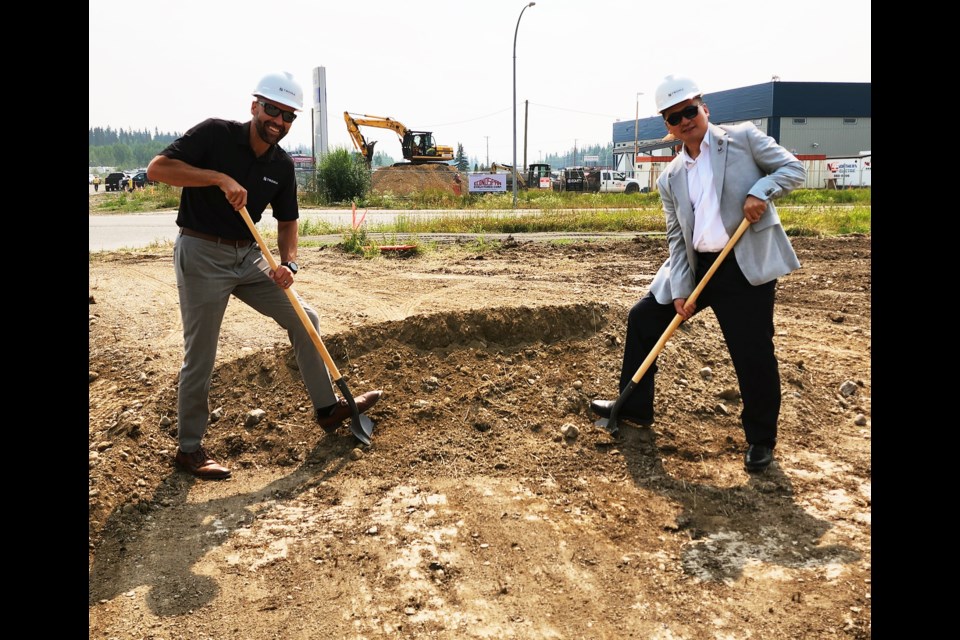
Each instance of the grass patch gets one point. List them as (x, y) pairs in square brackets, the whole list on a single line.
[(527, 222), (827, 221), (150, 198), (826, 197), (480, 245), (796, 220), (803, 212), (163, 196), (552, 200), (315, 227), (360, 242), (354, 240)]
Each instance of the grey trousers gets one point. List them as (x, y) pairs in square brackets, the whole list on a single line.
[(207, 274)]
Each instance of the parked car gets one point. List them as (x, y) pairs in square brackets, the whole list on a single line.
[(113, 182), (140, 180)]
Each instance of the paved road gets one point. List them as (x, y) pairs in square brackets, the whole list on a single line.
[(138, 230)]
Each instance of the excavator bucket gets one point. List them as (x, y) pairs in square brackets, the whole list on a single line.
[(368, 156)]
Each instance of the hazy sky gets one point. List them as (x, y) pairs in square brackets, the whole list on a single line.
[(447, 67)]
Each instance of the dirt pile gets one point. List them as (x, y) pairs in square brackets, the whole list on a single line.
[(407, 179), (489, 505)]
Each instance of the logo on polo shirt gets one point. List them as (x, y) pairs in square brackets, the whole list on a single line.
[(270, 180)]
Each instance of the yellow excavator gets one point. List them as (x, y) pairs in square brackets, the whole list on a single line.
[(418, 146), (530, 180)]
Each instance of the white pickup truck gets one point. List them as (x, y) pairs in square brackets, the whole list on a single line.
[(597, 181), (616, 182)]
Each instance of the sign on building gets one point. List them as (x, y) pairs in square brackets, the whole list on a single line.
[(850, 172)]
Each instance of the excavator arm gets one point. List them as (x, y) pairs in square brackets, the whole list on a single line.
[(521, 179), (377, 121), (418, 146), (365, 148)]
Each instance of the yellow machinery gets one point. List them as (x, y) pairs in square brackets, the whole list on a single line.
[(530, 180), (418, 146)]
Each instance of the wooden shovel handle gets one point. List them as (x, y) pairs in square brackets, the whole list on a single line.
[(661, 343), (304, 318)]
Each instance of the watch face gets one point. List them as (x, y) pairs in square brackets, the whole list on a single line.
[(293, 267)]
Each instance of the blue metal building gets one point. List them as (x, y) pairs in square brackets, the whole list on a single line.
[(811, 119)]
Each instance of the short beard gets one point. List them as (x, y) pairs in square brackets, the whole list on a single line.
[(262, 132)]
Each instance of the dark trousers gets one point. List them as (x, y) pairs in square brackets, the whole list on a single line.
[(745, 315)]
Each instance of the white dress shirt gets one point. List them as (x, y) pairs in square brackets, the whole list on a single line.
[(709, 234)]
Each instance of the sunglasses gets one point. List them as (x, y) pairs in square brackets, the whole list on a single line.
[(689, 112), (273, 111)]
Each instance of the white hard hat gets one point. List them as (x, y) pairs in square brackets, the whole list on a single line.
[(282, 89), (674, 91)]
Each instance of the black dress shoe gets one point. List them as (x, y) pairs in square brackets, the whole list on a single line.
[(758, 457), (603, 408), (341, 410)]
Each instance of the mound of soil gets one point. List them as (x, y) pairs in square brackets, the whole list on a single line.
[(489, 505), (406, 179)]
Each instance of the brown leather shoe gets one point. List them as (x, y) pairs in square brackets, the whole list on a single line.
[(201, 465), (342, 411)]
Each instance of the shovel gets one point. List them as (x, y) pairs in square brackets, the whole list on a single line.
[(610, 424), (361, 426)]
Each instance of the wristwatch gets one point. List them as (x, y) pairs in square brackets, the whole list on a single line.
[(292, 266)]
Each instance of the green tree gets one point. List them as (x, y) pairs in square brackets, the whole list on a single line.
[(461, 158), (122, 156), (380, 159), (342, 176), (126, 149)]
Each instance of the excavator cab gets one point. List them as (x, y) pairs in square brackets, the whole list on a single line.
[(419, 145)]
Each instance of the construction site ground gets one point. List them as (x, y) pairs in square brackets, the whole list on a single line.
[(489, 505)]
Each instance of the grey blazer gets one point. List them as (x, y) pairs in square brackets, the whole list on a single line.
[(745, 161)]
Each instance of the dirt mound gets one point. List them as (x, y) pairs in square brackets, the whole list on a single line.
[(489, 505), (406, 179)]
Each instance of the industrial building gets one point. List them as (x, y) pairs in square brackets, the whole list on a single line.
[(816, 121)]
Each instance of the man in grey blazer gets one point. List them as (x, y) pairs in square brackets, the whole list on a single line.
[(721, 175)]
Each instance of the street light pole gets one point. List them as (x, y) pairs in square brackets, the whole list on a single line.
[(515, 103), (636, 122)]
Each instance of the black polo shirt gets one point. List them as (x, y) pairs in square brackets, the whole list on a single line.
[(224, 146)]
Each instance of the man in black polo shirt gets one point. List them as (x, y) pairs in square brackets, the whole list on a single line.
[(224, 166)]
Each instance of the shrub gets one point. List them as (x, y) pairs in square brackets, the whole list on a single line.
[(342, 177)]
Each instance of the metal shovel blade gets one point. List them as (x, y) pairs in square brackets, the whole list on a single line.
[(608, 425), (360, 425), (362, 428)]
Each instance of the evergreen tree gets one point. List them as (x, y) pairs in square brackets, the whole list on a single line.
[(461, 159), (132, 149)]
